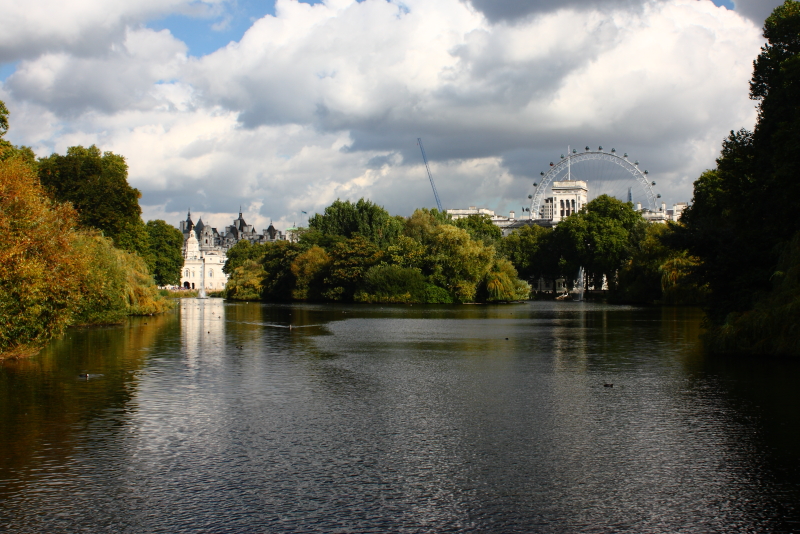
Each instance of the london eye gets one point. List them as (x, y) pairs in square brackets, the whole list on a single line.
[(605, 172)]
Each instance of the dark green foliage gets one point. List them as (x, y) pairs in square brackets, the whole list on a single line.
[(239, 253), (744, 212), (97, 186), (164, 259), (601, 238), (363, 218), (527, 248), (480, 228), (392, 283), (771, 327), (279, 281), (350, 261)]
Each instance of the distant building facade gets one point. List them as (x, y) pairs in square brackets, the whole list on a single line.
[(205, 248)]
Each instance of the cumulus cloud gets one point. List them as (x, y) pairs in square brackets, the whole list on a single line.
[(326, 101), (82, 27)]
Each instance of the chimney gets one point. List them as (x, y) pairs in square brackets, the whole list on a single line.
[(512, 215)]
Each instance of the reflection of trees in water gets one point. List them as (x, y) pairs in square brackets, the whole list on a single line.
[(46, 403)]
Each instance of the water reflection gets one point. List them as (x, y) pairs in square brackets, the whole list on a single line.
[(393, 418)]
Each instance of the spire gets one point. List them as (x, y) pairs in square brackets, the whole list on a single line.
[(240, 211)]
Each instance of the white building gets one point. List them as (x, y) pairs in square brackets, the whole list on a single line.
[(202, 268), (568, 197), (663, 214), (498, 220)]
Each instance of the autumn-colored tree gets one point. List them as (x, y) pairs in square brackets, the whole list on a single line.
[(39, 269), (309, 269)]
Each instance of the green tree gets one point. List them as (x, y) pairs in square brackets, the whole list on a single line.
[(742, 215), (279, 281), (241, 252), (480, 228), (393, 283), (455, 262), (97, 186), (600, 238), (246, 282), (363, 218), (164, 258), (528, 250), (350, 261)]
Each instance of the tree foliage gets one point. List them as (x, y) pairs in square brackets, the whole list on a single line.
[(164, 252), (97, 186), (363, 218), (53, 273), (39, 269)]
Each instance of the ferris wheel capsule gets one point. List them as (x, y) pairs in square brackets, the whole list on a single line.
[(588, 149), (625, 155), (658, 195), (652, 183), (574, 150), (530, 196), (535, 184), (551, 163), (636, 162), (600, 148), (562, 156), (613, 150), (542, 173)]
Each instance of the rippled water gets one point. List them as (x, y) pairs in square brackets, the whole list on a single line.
[(220, 418)]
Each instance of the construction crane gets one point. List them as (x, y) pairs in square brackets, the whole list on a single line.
[(430, 176)]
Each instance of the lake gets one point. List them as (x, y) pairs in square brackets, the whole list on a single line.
[(219, 417)]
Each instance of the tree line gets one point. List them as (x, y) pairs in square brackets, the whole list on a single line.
[(358, 252), (75, 250)]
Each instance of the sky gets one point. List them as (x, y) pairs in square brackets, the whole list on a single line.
[(280, 107)]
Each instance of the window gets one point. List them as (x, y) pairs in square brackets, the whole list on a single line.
[(211, 273), (187, 273)]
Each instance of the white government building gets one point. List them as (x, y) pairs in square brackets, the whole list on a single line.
[(568, 197), (204, 249)]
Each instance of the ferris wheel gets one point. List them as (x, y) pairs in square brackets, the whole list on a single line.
[(604, 173)]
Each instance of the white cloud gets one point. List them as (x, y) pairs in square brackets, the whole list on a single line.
[(82, 27), (327, 101)]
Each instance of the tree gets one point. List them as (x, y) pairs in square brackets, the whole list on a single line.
[(3, 121), (350, 261), (455, 262), (164, 258), (480, 228), (97, 186), (527, 250), (39, 269), (600, 238), (309, 269), (363, 218), (241, 252), (742, 215)]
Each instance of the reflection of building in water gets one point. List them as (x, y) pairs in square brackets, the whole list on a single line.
[(202, 326)]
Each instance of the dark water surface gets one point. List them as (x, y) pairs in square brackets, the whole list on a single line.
[(220, 418)]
